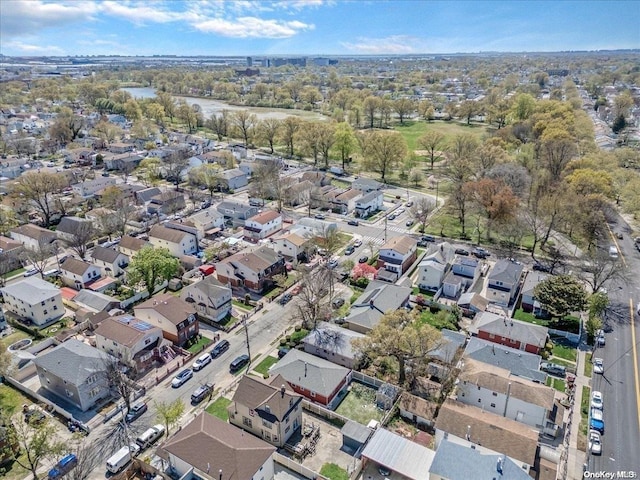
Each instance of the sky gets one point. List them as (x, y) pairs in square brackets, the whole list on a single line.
[(313, 27)]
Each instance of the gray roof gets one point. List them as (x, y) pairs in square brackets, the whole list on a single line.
[(531, 281), (107, 255), (377, 299), (458, 462), (73, 361), (333, 339), (518, 362), (95, 300), (310, 372), (527, 333), (205, 215), (451, 341), (70, 224), (366, 182), (235, 207), (366, 198), (400, 454), (356, 431), (31, 290), (506, 271), (232, 173), (146, 194), (209, 286)]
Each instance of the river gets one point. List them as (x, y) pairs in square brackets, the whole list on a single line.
[(210, 106)]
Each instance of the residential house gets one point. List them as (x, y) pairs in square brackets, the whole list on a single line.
[(208, 448), (317, 379), (89, 188), (123, 162), (417, 410), (495, 390), (251, 268), (268, 411), (145, 195), (299, 193), (463, 274), (396, 257), (74, 372), (118, 147), (345, 203), (111, 261), (366, 185), (211, 299), (33, 237), (129, 246), (472, 303), (184, 225), (509, 332), (167, 202), (529, 302), (369, 203), (517, 362), (34, 299), (471, 426), (174, 316), (313, 227), (376, 300), (434, 266), (94, 302), (208, 222), (453, 461), (446, 355), (504, 282), (71, 229), (129, 340), (177, 242), (236, 213), (318, 179), (10, 252), (78, 273), (291, 245), (234, 178), (332, 343), (400, 455), (262, 225)]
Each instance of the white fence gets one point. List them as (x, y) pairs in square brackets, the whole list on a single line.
[(366, 379), (571, 337), (297, 467)]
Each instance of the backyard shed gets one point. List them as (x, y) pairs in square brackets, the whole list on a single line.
[(354, 435), (386, 395)]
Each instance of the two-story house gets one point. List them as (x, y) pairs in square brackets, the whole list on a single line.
[(176, 241), (208, 448), (34, 299), (167, 202), (210, 298), (345, 203), (208, 221), (236, 213), (268, 411), (291, 245), (234, 178), (129, 246), (10, 254), (252, 269), (111, 262), (262, 225), (434, 266), (174, 316), (89, 188), (129, 340), (464, 272), (75, 372), (369, 203), (509, 332), (33, 237), (71, 228), (396, 256), (78, 273), (529, 302), (504, 282), (366, 185)]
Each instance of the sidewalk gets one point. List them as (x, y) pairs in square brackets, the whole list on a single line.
[(575, 458)]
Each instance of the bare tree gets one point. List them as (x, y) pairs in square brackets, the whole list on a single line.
[(39, 256), (420, 211), (311, 305), (118, 381), (82, 235), (40, 188), (599, 268), (173, 166)]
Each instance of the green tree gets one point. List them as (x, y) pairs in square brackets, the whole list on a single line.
[(523, 106), (597, 304), (290, 128), (400, 336), (208, 175), (169, 413), (383, 151), (345, 142), (268, 130), (5, 361), (561, 295), (151, 265), (244, 123), (403, 108), (431, 141)]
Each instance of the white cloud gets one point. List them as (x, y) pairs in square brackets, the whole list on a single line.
[(28, 17), (31, 49), (252, 27), (140, 13), (394, 44)]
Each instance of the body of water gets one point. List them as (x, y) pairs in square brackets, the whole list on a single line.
[(210, 107)]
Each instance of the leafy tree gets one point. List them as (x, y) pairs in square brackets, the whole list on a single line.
[(619, 124), (494, 199), (149, 172), (151, 265), (403, 108), (371, 105), (169, 413), (592, 325), (420, 211), (400, 336), (431, 141), (8, 219), (468, 109), (523, 106), (561, 295), (597, 303), (326, 139), (290, 128), (40, 188), (245, 124), (208, 175), (123, 211), (345, 142), (219, 124), (268, 130), (383, 151)]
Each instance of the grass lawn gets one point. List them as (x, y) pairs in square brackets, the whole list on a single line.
[(557, 383), (360, 404), (219, 408), (263, 367), (199, 345), (413, 130), (241, 305), (11, 400), (334, 472), (565, 352), (436, 320), (584, 418), (523, 316), (564, 363), (16, 336), (13, 273), (588, 367)]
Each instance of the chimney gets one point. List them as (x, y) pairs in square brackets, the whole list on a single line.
[(220, 476), (305, 369), (498, 466), (282, 389), (371, 303)]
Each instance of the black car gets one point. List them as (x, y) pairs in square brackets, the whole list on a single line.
[(349, 250), (428, 238), (338, 302), (480, 252), (221, 347), (355, 223), (541, 267), (462, 251), (238, 363), (282, 351), (286, 298), (363, 259), (136, 411)]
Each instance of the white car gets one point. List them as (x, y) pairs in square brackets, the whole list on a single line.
[(595, 444), (201, 362), (598, 366), (181, 377), (596, 414), (596, 400)]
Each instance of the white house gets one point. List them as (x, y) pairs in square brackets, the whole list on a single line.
[(396, 256), (207, 221), (177, 242), (211, 299), (346, 202), (78, 273), (369, 203), (111, 262), (129, 246), (89, 188), (262, 225), (434, 266), (34, 299), (32, 236), (290, 244)]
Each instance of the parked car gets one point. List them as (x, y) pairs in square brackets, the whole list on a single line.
[(282, 351), (428, 238), (337, 302), (363, 259), (238, 363), (136, 411), (182, 377), (201, 362), (30, 272), (596, 421), (409, 223), (333, 263), (595, 444), (355, 223), (409, 203), (541, 267), (319, 216), (384, 471), (462, 251), (64, 466), (221, 347), (349, 250), (598, 366), (553, 369), (480, 252), (600, 338), (284, 299), (201, 392), (357, 242), (596, 400)]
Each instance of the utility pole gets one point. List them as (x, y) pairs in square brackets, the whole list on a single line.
[(246, 332), (385, 229)]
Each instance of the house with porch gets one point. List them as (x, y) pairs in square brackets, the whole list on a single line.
[(529, 302), (396, 257), (177, 318), (262, 225), (504, 282), (77, 273), (210, 298), (111, 261), (434, 266), (251, 268)]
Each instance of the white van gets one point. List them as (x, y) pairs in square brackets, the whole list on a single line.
[(613, 251), (118, 460), (150, 436)]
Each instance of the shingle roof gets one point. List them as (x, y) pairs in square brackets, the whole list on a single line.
[(33, 231), (310, 372), (167, 234), (172, 308), (70, 224), (257, 260), (458, 462), (31, 290), (107, 255), (209, 443), (451, 341), (75, 266), (294, 238), (132, 243), (73, 361), (270, 402), (531, 281), (501, 326), (210, 287), (402, 244), (265, 216), (503, 435), (506, 271), (121, 330), (377, 299), (333, 338), (368, 197), (96, 300), (6, 244), (418, 406)]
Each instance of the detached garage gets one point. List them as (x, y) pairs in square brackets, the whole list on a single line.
[(354, 436)]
